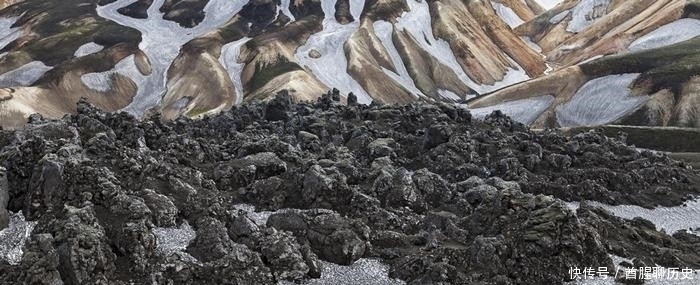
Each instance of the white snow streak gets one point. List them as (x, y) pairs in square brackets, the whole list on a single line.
[(559, 17), (507, 14), (670, 219), (102, 81), (534, 46), (585, 13), (88, 48), (25, 75), (229, 59), (284, 8), (161, 42), (525, 111), (513, 76), (13, 238), (7, 33), (669, 34), (449, 95), (364, 271), (259, 218), (549, 4), (331, 67), (174, 241), (169, 240), (600, 101)]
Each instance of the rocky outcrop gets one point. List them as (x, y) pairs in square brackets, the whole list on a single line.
[(4, 199), (275, 190)]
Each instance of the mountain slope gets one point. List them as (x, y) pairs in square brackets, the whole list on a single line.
[(649, 80), (200, 57)]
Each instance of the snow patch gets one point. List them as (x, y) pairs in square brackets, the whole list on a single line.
[(284, 8), (102, 81), (669, 34), (14, 237), (181, 103), (449, 95), (592, 58), (585, 13), (229, 59), (670, 219), (259, 218), (559, 17), (170, 240), (98, 81), (549, 4), (600, 101), (513, 76), (25, 75), (507, 14), (525, 111), (8, 34), (331, 67), (161, 42), (174, 241), (364, 271), (88, 48), (534, 46)]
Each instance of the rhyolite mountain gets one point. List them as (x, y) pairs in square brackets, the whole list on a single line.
[(200, 57), (636, 64), (547, 63)]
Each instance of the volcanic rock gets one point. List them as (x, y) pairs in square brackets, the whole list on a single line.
[(436, 196)]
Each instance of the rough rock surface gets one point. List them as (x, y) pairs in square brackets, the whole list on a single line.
[(4, 199), (438, 197)]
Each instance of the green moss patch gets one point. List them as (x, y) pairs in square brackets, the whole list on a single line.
[(663, 68), (196, 111), (61, 27), (265, 73)]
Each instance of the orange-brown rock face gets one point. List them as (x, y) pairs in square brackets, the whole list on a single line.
[(6, 3), (483, 44)]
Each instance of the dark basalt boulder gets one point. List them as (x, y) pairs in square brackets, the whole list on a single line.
[(330, 236), (4, 199)]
